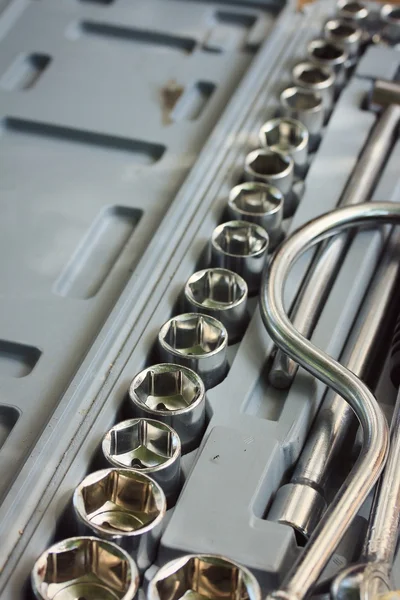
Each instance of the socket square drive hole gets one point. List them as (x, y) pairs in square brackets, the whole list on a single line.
[(201, 577), (213, 287), (353, 8), (119, 501), (85, 568), (298, 99), (238, 239), (284, 135), (167, 390), (391, 14), (141, 443)]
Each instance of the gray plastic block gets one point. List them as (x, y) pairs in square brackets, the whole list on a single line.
[(379, 62)]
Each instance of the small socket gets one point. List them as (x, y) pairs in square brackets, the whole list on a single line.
[(85, 568), (314, 77), (390, 17), (352, 11), (306, 106), (390, 14), (203, 576), (344, 34), (259, 203), (271, 167), (222, 294), (241, 246), (124, 507), (174, 395), (287, 136), (325, 54), (147, 446)]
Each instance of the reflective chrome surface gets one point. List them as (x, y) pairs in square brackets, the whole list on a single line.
[(175, 395), (317, 78), (287, 136), (198, 577), (196, 341), (335, 418), (269, 166), (85, 568), (122, 506), (222, 294), (306, 570), (310, 300), (148, 446), (241, 246), (306, 106), (259, 203), (352, 11), (324, 53), (344, 34)]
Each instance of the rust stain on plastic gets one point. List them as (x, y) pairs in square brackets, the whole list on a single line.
[(169, 94)]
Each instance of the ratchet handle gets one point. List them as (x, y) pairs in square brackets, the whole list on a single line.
[(395, 355)]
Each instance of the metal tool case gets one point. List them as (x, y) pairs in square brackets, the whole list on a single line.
[(124, 127)]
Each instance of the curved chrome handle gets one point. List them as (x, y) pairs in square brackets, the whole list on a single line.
[(305, 572)]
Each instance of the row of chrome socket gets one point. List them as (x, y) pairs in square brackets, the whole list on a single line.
[(123, 505)]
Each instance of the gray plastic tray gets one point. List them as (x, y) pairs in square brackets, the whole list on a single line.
[(115, 167)]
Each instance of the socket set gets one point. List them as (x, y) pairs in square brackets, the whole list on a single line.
[(161, 444)]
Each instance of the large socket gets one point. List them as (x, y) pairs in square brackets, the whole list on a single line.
[(203, 576), (85, 568), (124, 507)]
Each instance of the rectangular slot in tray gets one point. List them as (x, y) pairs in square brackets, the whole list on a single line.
[(96, 256), (9, 415), (17, 360), (24, 72)]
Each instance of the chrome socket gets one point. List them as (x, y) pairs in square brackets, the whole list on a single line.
[(345, 35), (390, 17), (203, 576), (147, 446), (171, 393), (299, 506), (124, 507), (352, 11), (268, 166), (317, 78), (325, 54), (241, 247), (85, 568), (196, 341), (287, 136), (222, 294), (307, 106), (259, 203)]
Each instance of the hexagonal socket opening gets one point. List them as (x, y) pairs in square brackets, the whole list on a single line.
[(201, 577), (301, 100), (142, 444), (119, 501), (238, 238), (341, 30), (167, 387), (311, 74), (352, 10), (85, 569), (391, 14), (324, 51), (268, 163), (216, 288), (284, 135), (194, 334)]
